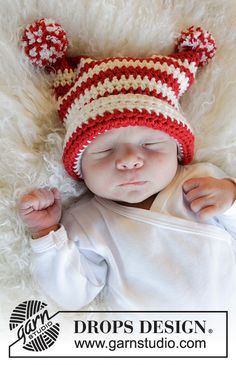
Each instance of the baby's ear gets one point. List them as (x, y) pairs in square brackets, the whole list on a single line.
[(44, 42)]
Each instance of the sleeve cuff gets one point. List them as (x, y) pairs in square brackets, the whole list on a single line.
[(55, 239)]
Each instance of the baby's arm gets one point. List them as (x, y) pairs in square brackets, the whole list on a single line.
[(72, 276), (208, 196)]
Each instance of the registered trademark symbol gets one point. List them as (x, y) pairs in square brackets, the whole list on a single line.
[(210, 330)]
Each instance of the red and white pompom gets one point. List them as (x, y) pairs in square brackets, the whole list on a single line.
[(197, 40), (44, 42)]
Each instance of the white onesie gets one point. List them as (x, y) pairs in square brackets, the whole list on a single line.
[(157, 259)]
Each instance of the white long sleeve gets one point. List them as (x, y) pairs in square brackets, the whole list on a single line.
[(228, 221), (70, 277)]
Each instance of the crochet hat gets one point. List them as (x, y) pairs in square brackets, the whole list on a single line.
[(95, 96)]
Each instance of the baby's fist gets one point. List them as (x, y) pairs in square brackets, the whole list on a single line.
[(40, 209), (208, 196)]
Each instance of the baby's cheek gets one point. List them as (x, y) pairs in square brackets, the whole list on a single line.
[(97, 177)]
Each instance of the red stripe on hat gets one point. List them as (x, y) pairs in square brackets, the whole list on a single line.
[(191, 56)]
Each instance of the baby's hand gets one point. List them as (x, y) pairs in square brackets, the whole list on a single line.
[(40, 210), (208, 196)]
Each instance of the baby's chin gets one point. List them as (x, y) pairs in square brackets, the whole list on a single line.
[(133, 198), (129, 195)]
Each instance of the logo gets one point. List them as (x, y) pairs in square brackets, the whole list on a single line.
[(34, 326)]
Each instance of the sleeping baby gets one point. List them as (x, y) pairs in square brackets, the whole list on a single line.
[(153, 232)]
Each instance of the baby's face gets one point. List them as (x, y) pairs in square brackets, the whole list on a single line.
[(129, 164)]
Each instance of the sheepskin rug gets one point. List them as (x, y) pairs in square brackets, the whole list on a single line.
[(31, 135)]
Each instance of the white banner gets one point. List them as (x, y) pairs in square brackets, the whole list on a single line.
[(34, 332)]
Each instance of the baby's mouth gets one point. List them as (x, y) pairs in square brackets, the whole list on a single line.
[(130, 183)]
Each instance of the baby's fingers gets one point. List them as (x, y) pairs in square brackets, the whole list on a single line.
[(27, 202), (191, 184), (206, 208), (200, 203), (56, 194), (207, 212), (36, 200), (195, 194)]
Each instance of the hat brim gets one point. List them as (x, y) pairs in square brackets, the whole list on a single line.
[(81, 137)]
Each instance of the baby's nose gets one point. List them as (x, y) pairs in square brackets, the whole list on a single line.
[(129, 159)]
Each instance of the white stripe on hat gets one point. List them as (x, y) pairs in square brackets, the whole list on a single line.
[(78, 116)]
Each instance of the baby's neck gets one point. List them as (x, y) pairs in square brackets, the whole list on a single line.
[(146, 204)]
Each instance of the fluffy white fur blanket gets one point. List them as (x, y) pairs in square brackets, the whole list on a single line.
[(31, 136)]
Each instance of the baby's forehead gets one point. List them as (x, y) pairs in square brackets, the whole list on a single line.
[(129, 134)]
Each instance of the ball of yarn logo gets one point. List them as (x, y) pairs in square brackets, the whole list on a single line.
[(34, 326)]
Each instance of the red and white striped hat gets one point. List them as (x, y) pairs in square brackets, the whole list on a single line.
[(95, 96)]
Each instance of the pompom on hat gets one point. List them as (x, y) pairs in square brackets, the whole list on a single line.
[(95, 96)]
